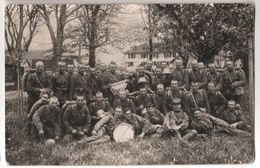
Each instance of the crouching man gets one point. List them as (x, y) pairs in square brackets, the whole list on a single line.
[(46, 120), (76, 120), (176, 122)]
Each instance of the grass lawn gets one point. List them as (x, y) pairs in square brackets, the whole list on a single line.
[(22, 150)]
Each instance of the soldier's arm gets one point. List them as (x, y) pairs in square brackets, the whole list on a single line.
[(57, 124), (30, 85), (88, 121), (185, 122), (241, 80), (132, 106), (37, 119), (65, 119), (147, 127), (102, 122)]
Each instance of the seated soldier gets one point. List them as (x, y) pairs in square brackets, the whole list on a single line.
[(123, 101), (76, 120), (141, 126), (46, 120), (100, 103), (176, 122), (233, 115), (161, 98), (153, 115), (104, 128), (205, 123), (141, 101)]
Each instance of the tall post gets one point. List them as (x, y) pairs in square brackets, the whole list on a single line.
[(251, 79), (18, 87), (150, 34)]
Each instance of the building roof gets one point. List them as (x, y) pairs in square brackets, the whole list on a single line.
[(144, 48)]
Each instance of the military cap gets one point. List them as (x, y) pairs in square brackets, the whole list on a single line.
[(176, 100), (142, 80)]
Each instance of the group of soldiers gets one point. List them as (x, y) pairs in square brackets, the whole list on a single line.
[(78, 104)]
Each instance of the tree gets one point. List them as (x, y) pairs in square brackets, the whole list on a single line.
[(63, 15), (94, 28), (204, 29)]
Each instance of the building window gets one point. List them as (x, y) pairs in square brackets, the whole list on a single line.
[(144, 55), (130, 64), (131, 56), (167, 55)]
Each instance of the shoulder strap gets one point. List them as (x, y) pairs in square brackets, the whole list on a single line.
[(38, 80)]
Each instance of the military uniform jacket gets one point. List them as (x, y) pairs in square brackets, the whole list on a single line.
[(98, 105), (105, 78), (34, 85), (216, 78), (47, 117), (198, 76), (181, 76), (232, 77), (75, 117), (144, 100), (162, 101), (216, 100), (173, 119), (155, 117), (61, 86), (232, 116), (78, 85), (200, 101), (176, 93)]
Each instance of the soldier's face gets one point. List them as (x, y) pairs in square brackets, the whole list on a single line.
[(194, 66), (118, 111), (143, 92), (62, 68), (178, 64), (122, 95), (195, 87), (150, 109), (229, 65), (174, 84), (176, 106), (211, 88), (40, 67), (70, 69), (80, 101), (160, 89), (231, 105), (99, 97)]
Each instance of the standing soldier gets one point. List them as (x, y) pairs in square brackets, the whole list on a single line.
[(161, 98), (141, 101), (76, 120), (180, 75), (157, 78), (233, 83), (216, 100), (123, 101), (61, 83), (37, 83), (214, 76), (166, 77), (195, 75), (197, 100), (176, 122)]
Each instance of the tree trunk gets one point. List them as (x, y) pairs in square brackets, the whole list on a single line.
[(251, 81)]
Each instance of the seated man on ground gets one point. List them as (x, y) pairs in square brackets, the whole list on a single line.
[(76, 120), (176, 122), (46, 120), (153, 115)]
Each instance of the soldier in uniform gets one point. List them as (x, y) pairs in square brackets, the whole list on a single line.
[(197, 100), (47, 122), (157, 78), (161, 97), (216, 100), (100, 103), (153, 115), (233, 83), (123, 101), (142, 73), (76, 120), (166, 77), (179, 74), (70, 69), (113, 70), (176, 122), (195, 75), (61, 83), (234, 116), (142, 99), (214, 76), (37, 83)]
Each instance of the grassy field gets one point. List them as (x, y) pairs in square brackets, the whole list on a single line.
[(215, 149)]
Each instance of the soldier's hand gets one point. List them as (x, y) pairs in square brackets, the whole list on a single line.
[(74, 132)]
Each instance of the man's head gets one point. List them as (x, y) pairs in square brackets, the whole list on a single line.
[(103, 67), (174, 84), (143, 91), (99, 96), (197, 114), (100, 114), (141, 70), (229, 65), (201, 65), (113, 68), (61, 66), (44, 97), (54, 101), (118, 111), (158, 71), (87, 69), (211, 67), (160, 88), (142, 82), (211, 87), (231, 104), (178, 63), (122, 94), (176, 104), (81, 69), (80, 101), (195, 86), (128, 114), (194, 65), (92, 72), (149, 65), (39, 66), (150, 107), (70, 68)]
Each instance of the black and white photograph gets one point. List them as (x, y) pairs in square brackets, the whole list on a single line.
[(129, 84)]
